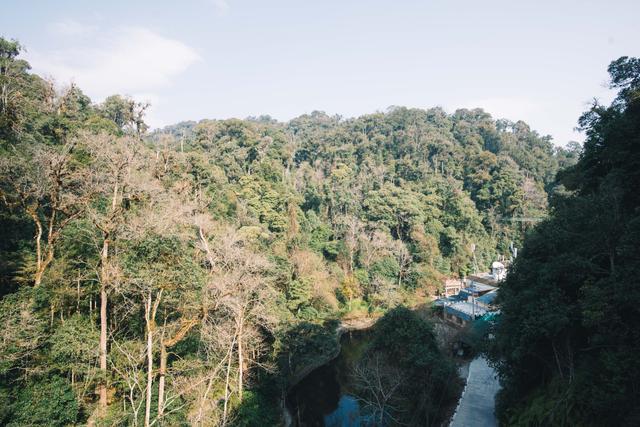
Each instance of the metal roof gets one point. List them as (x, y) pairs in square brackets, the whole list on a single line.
[(480, 287), (465, 310), (484, 278), (488, 298)]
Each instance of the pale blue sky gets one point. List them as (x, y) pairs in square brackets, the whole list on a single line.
[(538, 61)]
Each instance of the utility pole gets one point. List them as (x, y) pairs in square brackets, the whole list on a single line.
[(475, 264), (473, 307)]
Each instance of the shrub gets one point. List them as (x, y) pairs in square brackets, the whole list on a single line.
[(48, 401)]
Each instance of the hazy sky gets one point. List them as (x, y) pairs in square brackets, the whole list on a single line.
[(541, 62)]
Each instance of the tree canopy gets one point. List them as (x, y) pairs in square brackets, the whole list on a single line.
[(183, 274), (569, 330)]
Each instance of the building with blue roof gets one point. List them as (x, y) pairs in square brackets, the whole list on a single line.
[(463, 312), (475, 299), (488, 300)]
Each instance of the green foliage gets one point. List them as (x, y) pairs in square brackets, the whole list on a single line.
[(46, 401), (328, 215), (362, 276), (265, 203), (403, 326), (568, 333), (304, 343), (126, 113), (299, 294), (23, 331), (5, 405), (257, 409), (386, 268), (395, 208), (320, 234), (73, 345), (408, 344), (350, 288)]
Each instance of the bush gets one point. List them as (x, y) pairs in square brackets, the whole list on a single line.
[(48, 401), (256, 410), (409, 345)]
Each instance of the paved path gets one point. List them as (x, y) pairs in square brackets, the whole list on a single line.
[(477, 403)]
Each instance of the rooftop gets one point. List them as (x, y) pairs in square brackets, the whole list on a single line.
[(484, 278), (488, 298), (479, 287), (466, 308)]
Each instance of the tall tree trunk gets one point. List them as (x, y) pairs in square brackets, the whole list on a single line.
[(203, 400), (149, 317), (240, 361), (103, 324), (147, 408), (104, 283), (226, 383), (44, 263), (39, 270), (165, 344), (161, 379)]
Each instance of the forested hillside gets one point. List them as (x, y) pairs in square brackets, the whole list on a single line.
[(568, 339), (182, 275)]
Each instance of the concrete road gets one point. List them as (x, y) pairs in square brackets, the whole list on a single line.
[(477, 404)]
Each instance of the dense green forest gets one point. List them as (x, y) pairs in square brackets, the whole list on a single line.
[(568, 339), (181, 276)]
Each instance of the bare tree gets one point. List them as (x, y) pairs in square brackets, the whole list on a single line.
[(150, 310), (373, 245), (22, 332), (351, 229), (240, 311), (404, 259), (186, 324), (378, 385), (115, 164), (51, 188), (128, 363)]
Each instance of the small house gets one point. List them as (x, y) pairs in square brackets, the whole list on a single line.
[(452, 287), (472, 297), (487, 301), (463, 312)]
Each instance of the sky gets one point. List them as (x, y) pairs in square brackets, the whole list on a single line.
[(542, 62)]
